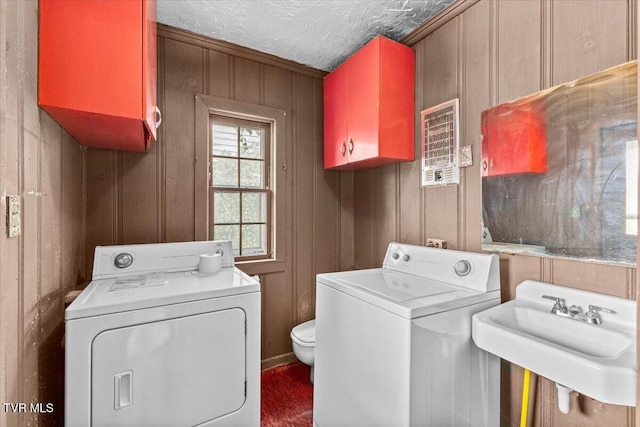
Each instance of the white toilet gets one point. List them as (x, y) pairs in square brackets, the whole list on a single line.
[(303, 337)]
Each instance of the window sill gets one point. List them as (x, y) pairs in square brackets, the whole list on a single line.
[(263, 266)]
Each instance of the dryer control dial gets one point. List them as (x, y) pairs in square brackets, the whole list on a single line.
[(406, 258), (395, 255), (462, 268), (123, 260)]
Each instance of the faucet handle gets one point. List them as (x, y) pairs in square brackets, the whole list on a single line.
[(594, 308), (556, 299), (593, 316), (558, 306)]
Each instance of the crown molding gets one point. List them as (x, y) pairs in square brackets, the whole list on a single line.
[(205, 42), (432, 24)]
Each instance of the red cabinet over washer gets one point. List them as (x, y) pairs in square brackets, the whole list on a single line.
[(369, 108), (97, 70)]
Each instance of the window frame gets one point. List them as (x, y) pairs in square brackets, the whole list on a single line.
[(266, 189), (207, 105)]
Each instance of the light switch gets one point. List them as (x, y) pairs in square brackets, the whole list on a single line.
[(13, 216), (465, 156)]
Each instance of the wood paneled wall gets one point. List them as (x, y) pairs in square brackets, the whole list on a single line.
[(143, 198), (485, 53), (42, 164)]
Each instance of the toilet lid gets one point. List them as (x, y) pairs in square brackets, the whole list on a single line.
[(305, 332)]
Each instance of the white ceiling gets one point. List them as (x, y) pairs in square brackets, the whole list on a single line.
[(320, 34)]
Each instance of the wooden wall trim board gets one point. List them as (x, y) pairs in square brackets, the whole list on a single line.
[(178, 34), (282, 359)]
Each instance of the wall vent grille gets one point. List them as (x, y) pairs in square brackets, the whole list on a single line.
[(440, 144)]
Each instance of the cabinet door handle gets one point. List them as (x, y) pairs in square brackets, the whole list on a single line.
[(343, 148), (350, 146), (158, 116)]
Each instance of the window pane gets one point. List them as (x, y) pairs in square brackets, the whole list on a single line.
[(251, 143), (225, 140), (228, 232), (254, 239), (226, 207), (254, 207), (225, 172), (251, 173)]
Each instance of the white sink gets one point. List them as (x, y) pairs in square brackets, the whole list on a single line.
[(596, 360)]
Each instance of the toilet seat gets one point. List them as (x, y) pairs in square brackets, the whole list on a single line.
[(305, 334)]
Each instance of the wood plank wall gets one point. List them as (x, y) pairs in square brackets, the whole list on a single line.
[(485, 53), (42, 164), (143, 198)]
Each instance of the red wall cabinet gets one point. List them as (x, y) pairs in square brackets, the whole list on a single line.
[(513, 141), (97, 70), (369, 108)]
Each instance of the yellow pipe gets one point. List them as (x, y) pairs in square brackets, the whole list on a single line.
[(525, 398)]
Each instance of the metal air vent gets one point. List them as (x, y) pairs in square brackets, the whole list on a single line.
[(440, 144)]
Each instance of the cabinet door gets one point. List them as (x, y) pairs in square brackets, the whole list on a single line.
[(97, 70), (90, 56), (149, 68), (363, 102), (335, 118)]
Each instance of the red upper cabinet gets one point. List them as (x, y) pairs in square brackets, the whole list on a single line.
[(97, 70), (369, 108), (514, 141)]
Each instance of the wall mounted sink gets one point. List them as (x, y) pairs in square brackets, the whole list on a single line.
[(598, 360)]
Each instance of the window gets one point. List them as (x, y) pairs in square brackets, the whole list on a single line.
[(240, 185), (240, 180)]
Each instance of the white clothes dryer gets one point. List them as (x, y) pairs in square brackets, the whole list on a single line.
[(152, 342), (394, 347)]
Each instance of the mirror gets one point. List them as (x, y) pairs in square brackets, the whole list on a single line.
[(560, 170)]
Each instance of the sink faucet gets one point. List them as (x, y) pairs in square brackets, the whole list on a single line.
[(575, 312)]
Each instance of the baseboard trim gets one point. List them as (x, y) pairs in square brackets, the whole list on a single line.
[(283, 359)]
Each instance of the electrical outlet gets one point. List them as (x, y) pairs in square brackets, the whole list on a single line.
[(13, 216), (437, 243)]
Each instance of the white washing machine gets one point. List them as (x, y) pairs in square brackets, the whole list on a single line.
[(152, 342), (394, 347)]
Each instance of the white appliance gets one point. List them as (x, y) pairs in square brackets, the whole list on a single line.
[(153, 342), (394, 347)]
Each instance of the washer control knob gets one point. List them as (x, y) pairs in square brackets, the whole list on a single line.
[(395, 255), (462, 268), (123, 260), (406, 258)]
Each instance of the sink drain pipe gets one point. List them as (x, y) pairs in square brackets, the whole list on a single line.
[(564, 398)]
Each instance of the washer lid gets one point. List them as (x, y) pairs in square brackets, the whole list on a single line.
[(397, 286), (126, 293), (305, 332), (404, 294)]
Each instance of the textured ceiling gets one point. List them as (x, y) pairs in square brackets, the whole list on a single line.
[(320, 34)]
